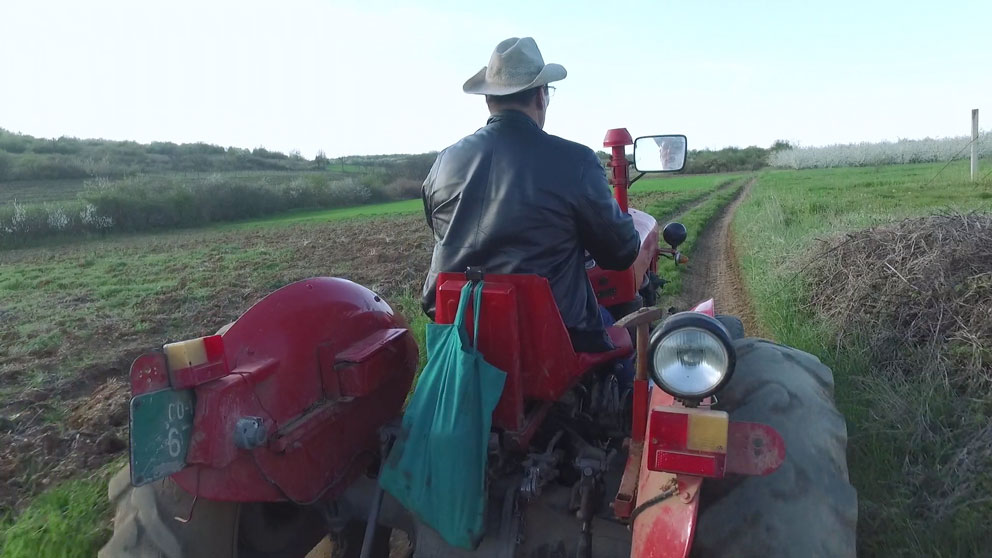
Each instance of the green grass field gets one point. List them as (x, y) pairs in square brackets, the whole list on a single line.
[(403, 207), (669, 196), (40, 191), (56, 190), (776, 229)]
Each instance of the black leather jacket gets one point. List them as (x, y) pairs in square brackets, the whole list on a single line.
[(511, 198)]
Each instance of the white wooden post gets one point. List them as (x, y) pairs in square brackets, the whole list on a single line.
[(974, 145)]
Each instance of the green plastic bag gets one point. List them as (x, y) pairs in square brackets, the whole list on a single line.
[(437, 466)]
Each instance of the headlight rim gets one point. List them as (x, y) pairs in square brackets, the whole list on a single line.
[(700, 321)]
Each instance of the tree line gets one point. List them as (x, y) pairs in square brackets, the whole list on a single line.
[(24, 157), (728, 159)]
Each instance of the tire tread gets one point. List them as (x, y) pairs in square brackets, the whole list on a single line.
[(808, 506)]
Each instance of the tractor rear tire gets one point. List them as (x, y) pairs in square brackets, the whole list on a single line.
[(145, 525), (808, 506), (734, 325)]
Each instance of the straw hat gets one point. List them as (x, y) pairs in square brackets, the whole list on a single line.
[(515, 65)]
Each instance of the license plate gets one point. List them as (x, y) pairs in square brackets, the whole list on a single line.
[(161, 426)]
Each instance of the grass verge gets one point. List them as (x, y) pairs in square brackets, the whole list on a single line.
[(695, 220), (776, 229), (67, 521)]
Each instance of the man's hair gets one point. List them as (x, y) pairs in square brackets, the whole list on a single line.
[(524, 97)]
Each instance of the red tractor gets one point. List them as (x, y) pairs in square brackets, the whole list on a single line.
[(266, 438)]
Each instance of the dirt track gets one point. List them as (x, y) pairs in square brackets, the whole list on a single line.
[(713, 271)]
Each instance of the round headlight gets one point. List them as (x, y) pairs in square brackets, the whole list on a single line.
[(691, 356)]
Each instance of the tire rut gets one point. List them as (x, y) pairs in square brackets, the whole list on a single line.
[(713, 271)]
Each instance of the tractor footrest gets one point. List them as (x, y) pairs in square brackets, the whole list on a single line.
[(623, 504)]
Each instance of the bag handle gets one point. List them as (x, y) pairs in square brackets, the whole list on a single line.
[(476, 310), (463, 301), (467, 294)]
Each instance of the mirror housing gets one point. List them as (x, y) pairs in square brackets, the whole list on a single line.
[(660, 153), (674, 234)]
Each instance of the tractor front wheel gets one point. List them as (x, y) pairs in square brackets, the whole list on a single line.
[(146, 525), (808, 506)]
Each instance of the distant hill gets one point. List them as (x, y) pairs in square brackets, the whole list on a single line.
[(73, 187)]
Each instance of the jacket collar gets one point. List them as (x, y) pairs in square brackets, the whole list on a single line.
[(511, 116)]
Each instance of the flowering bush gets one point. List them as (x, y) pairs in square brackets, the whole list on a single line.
[(93, 220), (15, 222), (58, 219)]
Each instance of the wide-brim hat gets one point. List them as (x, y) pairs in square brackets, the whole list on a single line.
[(515, 65)]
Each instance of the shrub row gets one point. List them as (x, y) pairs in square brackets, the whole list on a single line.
[(24, 157), (728, 159), (145, 203)]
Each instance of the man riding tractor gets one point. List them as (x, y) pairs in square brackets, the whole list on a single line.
[(671, 151), (511, 198)]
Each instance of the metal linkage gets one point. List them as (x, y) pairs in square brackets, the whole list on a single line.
[(540, 469)]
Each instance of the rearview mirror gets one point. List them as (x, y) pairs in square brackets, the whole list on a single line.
[(660, 153)]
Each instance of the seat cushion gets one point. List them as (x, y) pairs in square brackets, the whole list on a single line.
[(620, 338)]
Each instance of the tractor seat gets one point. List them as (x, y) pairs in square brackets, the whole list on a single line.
[(521, 333), (620, 338)]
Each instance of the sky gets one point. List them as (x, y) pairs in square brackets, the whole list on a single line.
[(377, 77)]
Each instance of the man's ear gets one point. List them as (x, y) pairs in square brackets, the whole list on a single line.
[(541, 98)]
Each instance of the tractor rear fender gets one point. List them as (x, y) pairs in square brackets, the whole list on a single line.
[(321, 364)]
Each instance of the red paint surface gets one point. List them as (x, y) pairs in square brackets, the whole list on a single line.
[(616, 139), (669, 431), (281, 353), (618, 287), (696, 464), (149, 372), (521, 333), (705, 307), (754, 449), (499, 328), (366, 365), (665, 529)]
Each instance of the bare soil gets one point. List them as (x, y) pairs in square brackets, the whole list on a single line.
[(713, 271)]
